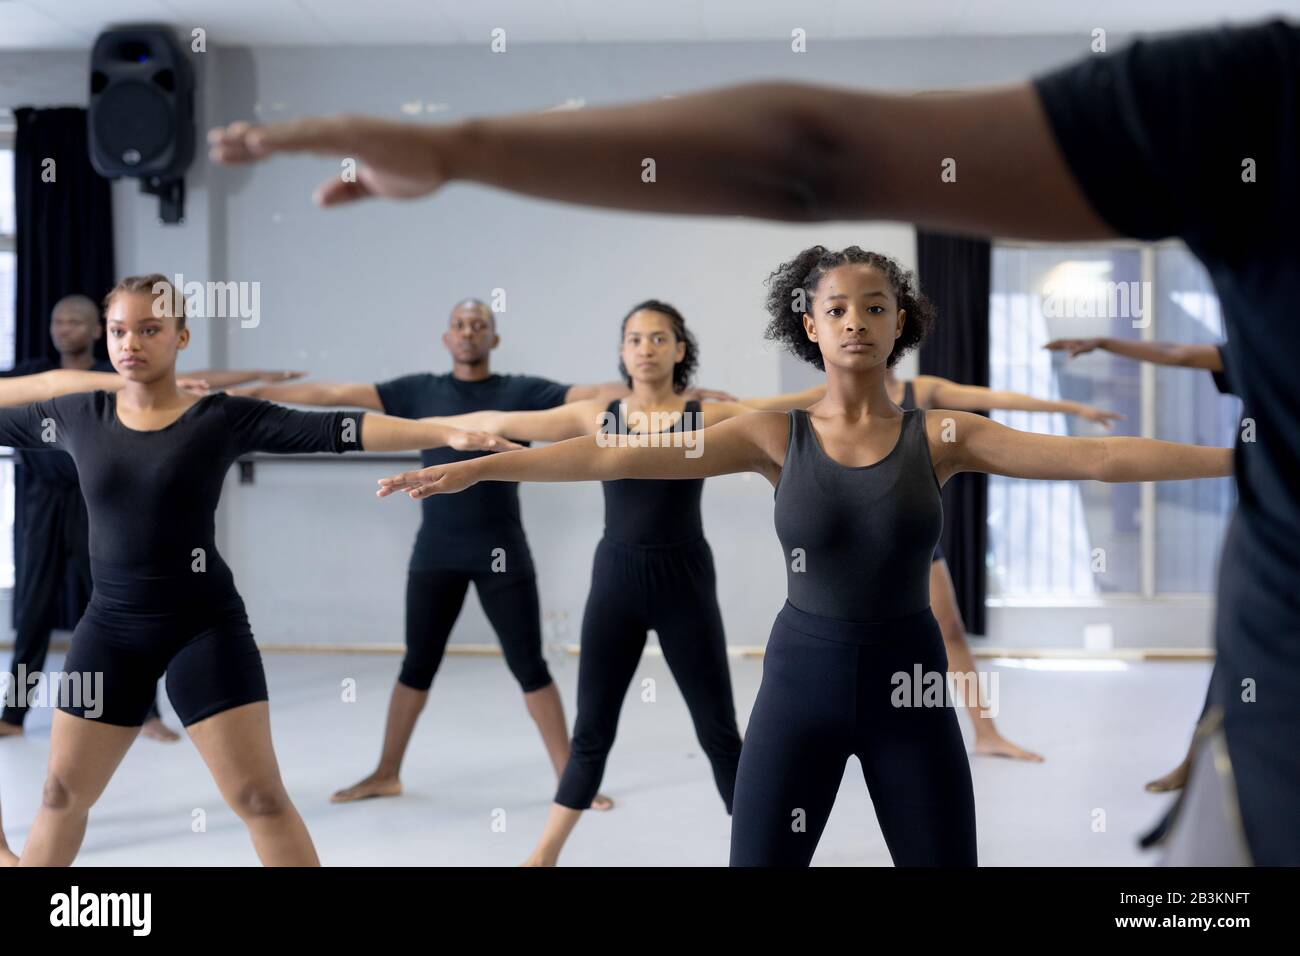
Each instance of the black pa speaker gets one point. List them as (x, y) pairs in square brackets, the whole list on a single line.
[(141, 116)]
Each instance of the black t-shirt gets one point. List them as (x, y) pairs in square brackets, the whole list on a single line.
[(54, 467), (1162, 137), (152, 495), (463, 532)]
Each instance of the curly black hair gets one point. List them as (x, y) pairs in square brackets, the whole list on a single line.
[(804, 273), (684, 370)]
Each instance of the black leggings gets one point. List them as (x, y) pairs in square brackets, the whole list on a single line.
[(671, 590), (830, 689), (433, 602)]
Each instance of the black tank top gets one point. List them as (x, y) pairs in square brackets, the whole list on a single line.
[(653, 512), (858, 541), (909, 396)]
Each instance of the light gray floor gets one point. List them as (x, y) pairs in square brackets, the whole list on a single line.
[(478, 784)]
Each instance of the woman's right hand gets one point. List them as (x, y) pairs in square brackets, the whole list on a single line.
[(437, 480), (389, 159), (1074, 346)]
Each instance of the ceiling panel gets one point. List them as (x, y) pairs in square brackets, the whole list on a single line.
[(38, 24)]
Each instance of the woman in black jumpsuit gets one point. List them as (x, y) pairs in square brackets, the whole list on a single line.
[(855, 654), (151, 461)]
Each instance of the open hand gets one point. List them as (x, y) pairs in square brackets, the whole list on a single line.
[(438, 480), (391, 159), (708, 395), (1099, 415), (195, 386), (463, 440), (1073, 346)]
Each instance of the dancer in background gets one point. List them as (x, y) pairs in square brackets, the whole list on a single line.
[(477, 540)]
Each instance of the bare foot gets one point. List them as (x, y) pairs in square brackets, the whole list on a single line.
[(601, 802), (538, 858), (1175, 779), (995, 745), (155, 729), (375, 785), (10, 730)]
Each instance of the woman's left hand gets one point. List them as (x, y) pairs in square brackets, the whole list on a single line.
[(437, 480), (463, 440)]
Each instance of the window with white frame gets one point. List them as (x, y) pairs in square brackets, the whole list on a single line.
[(1088, 539)]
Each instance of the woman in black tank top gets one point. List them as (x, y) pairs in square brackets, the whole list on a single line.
[(855, 664), (653, 568), (931, 391)]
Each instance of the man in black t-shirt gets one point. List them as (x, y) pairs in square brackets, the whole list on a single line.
[(1194, 135), (475, 538)]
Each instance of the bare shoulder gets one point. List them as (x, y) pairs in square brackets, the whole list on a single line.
[(947, 430), (769, 432)]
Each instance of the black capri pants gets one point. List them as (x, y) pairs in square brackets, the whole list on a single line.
[(433, 602)]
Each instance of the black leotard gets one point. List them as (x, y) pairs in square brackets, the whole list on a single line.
[(164, 600), (644, 512)]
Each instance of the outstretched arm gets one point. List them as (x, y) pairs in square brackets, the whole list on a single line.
[(22, 389), (965, 442), (977, 398), (1181, 354), (783, 403), (229, 378), (603, 392), (738, 445), (550, 424), (349, 394), (387, 433), (741, 150)]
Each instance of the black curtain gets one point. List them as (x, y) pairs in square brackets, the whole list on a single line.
[(954, 273), (65, 246)]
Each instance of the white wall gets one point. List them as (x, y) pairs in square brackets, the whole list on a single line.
[(362, 294)]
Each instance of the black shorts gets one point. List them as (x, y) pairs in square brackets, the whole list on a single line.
[(136, 629), (209, 657)]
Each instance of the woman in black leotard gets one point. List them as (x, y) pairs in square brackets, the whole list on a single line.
[(855, 654), (151, 461), (653, 569)]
